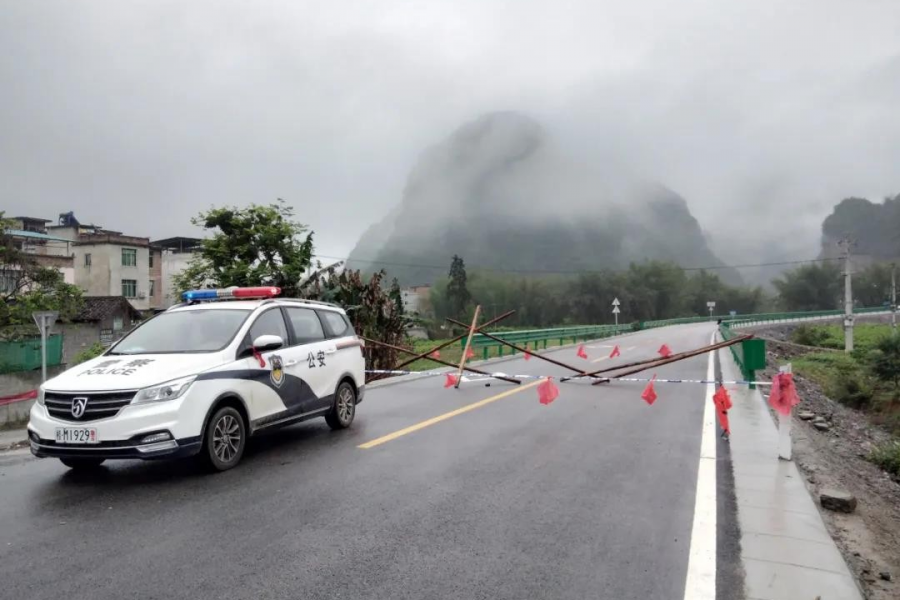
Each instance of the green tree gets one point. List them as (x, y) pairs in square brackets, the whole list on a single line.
[(29, 287), (886, 361), (253, 246), (872, 286), (810, 287), (458, 296)]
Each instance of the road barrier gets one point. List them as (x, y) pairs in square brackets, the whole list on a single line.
[(25, 355), (535, 337)]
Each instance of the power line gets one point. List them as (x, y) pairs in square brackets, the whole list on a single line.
[(567, 271)]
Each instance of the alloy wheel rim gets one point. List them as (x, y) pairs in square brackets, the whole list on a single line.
[(226, 438)]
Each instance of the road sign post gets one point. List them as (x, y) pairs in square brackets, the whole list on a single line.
[(711, 305), (44, 320), (616, 311), (784, 427)]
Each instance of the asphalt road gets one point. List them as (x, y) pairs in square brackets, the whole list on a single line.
[(590, 497)]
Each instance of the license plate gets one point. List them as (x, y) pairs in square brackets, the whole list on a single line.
[(76, 435)]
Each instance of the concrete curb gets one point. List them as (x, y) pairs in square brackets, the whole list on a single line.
[(786, 551)]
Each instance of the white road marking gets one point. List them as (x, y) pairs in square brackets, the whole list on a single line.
[(600, 359), (701, 573)]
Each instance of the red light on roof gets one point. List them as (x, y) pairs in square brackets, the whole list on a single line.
[(255, 292)]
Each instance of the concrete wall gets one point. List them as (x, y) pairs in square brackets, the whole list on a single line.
[(18, 383)]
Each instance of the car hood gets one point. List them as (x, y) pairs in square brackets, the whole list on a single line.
[(130, 372)]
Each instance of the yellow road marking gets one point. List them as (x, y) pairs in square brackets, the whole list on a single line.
[(434, 420)]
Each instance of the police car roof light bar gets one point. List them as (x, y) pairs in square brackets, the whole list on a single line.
[(224, 294)]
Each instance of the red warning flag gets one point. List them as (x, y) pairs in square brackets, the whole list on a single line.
[(581, 352), (259, 357), (528, 356), (450, 381), (615, 352), (470, 353), (784, 393), (547, 391), (435, 354), (649, 394), (664, 351), (723, 402)]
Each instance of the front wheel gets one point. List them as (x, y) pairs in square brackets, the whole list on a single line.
[(82, 463), (344, 409), (225, 439)]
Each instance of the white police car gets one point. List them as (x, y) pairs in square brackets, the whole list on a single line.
[(202, 377)]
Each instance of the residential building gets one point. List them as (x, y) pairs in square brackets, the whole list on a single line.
[(102, 319), (46, 250), (112, 264), (176, 254), (416, 299)]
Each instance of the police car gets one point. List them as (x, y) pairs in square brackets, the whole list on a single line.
[(202, 377)]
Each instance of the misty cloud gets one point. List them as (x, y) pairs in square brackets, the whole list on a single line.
[(138, 114)]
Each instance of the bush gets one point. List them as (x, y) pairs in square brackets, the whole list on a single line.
[(887, 456), (88, 353), (810, 335), (842, 378), (886, 360)]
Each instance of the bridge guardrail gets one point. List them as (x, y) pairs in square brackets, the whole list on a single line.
[(533, 338)]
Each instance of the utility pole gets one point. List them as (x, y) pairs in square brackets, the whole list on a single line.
[(893, 296), (845, 245)]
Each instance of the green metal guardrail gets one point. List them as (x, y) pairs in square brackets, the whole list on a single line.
[(750, 355), (533, 338), (25, 355), (763, 317)]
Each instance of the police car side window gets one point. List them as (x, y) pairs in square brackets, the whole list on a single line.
[(307, 327), (336, 323), (269, 323)]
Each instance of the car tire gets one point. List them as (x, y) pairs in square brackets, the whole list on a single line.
[(82, 464), (224, 440), (344, 409)]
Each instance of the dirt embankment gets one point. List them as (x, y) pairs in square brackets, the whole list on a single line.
[(835, 457)]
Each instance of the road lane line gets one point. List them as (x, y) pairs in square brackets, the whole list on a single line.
[(434, 420), (602, 358), (701, 573)]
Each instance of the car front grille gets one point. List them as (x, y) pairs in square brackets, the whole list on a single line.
[(100, 405)]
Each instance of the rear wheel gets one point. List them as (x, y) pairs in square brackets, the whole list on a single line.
[(82, 463), (225, 439), (344, 409)]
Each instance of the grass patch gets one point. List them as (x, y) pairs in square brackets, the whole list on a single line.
[(866, 336), (842, 377), (887, 456)]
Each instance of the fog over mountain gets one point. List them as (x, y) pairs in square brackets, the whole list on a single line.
[(504, 195)]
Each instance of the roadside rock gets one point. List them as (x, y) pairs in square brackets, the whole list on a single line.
[(806, 416), (821, 425), (838, 500), (885, 575)]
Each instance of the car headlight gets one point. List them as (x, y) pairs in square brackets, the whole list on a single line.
[(164, 391), (40, 396)]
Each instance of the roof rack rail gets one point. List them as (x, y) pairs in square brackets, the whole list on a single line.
[(310, 302)]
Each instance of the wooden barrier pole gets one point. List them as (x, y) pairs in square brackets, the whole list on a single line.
[(445, 344), (523, 350), (439, 360), (465, 354)]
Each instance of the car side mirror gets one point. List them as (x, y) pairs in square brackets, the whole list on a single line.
[(264, 343)]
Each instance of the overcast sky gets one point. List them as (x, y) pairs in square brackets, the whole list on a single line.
[(138, 114)]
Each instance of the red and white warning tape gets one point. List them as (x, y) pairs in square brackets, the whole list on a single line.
[(477, 376)]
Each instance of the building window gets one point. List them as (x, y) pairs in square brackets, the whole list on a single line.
[(129, 257), (9, 281), (151, 261), (87, 260), (152, 288), (129, 288), (118, 325)]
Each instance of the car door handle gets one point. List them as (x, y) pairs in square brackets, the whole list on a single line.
[(290, 363), (331, 351)]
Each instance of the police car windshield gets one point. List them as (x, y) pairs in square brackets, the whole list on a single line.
[(205, 330)]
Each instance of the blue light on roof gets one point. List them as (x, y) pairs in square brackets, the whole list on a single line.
[(200, 295)]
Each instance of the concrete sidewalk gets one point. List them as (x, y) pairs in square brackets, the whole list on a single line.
[(13, 438), (786, 551)]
